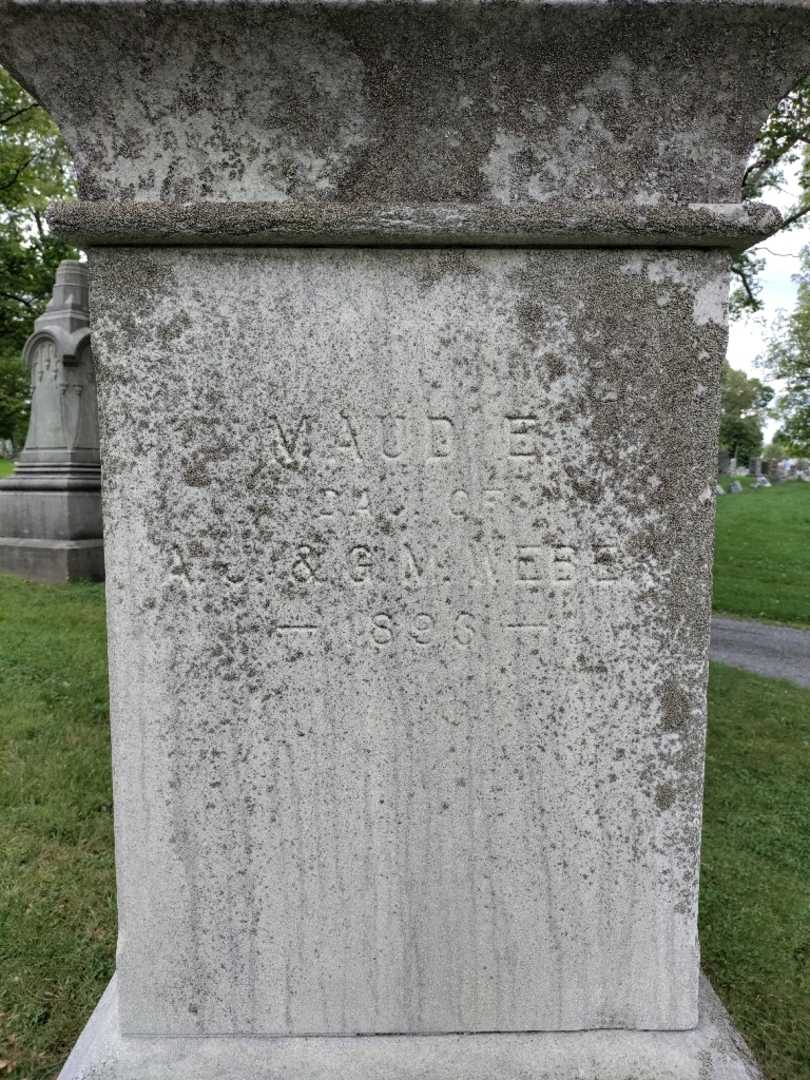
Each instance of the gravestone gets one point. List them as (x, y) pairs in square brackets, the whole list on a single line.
[(723, 462), (735, 488), (50, 508), (755, 466), (393, 305)]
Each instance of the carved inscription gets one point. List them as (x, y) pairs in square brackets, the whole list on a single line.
[(523, 566), (298, 440), (478, 523), (424, 628)]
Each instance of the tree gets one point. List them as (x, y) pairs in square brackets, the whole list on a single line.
[(744, 406), (775, 450), (35, 167), (788, 359), (15, 394), (783, 141)]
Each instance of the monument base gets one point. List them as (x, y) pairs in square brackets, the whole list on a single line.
[(55, 513), (50, 529), (712, 1051), (52, 562)]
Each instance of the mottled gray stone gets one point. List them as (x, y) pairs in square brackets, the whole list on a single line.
[(422, 633), (710, 1051), (408, 642), (554, 222), (50, 508), (735, 488), (402, 104)]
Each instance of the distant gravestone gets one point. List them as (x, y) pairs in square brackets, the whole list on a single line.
[(723, 463), (719, 489), (735, 488), (762, 482), (50, 508), (394, 306), (755, 466)]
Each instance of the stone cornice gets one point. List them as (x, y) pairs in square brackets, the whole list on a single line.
[(437, 103)]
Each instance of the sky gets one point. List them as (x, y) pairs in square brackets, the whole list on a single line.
[(748, 335)]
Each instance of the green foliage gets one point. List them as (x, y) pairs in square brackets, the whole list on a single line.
[(741, 436), (761, 568), (744, 404), (784, 140), (755, 874), (35, 168), (15, 389), (775, 450), (788, 358)]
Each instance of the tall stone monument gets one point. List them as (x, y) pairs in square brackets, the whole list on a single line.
[(394, 305), (50, 508)]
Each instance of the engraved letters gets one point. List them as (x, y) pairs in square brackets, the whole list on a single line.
[(377, 532)]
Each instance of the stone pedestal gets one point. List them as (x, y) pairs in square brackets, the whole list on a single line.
[(50, 508), (409, 322)]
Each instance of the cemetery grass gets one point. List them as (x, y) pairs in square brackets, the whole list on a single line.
[(755, 875), (761, 564), (6, 467), (57, 894), (57, 898)]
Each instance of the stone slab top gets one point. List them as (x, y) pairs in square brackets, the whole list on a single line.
[(555, 223), (425, 108), (286, 4)]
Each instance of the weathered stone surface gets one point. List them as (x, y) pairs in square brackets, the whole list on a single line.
[(50, 508), (409, 103), (554, 222), (711, 1051), (52, 561), (421, 744), (409, 546)]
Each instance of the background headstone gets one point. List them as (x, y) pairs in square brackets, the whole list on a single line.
[(755, 466), (735, 488), (393, 308), (723, 462), (50, 508)]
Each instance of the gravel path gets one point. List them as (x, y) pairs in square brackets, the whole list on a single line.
[(776, 651)]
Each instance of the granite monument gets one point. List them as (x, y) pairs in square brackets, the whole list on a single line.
[(393, 306), (50, 508)]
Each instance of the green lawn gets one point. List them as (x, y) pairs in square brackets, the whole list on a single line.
[(6, 467), (57, 898), (762, 554), (755, 886), (57, 906)]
